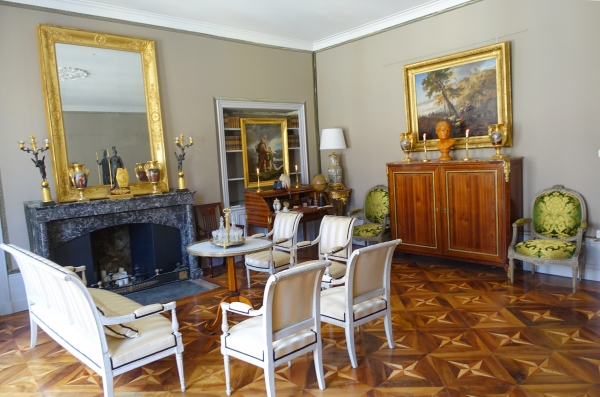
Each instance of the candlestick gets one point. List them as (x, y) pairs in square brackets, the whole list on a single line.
[(46, 195), (425, 160), (180, 143), (297, 185), (258, 190), (467, 158)]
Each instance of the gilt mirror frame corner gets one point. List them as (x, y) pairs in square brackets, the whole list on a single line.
[(465, 76), (48, 37)]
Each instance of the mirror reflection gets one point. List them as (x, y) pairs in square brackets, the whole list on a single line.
[(104, 109)]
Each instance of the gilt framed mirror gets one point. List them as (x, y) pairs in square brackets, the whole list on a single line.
[(101, 94)]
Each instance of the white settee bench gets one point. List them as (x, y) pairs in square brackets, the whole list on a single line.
[(68, 312)]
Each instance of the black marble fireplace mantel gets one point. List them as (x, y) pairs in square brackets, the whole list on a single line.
[(52, 226)]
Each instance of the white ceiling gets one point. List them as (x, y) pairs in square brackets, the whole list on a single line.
[(305, 25)]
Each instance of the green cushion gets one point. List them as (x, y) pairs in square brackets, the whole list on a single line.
[(557, 214), (377, 205), (549, 249), (367, 230)]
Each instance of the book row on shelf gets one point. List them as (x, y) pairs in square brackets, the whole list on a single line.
[(293, 141), (234, 121), (233, 143)]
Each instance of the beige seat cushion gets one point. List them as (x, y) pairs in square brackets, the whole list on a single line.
[(333, 305), (261, 259), (247, 338), (155, 332)]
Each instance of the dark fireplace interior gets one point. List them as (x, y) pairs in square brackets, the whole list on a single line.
[(139, 248)]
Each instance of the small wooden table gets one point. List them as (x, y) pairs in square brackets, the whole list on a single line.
[(205, 248)]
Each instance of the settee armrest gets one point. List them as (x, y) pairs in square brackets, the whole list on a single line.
[(354, 213), (139, 313)]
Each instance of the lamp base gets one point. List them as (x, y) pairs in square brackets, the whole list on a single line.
[(334, 172)]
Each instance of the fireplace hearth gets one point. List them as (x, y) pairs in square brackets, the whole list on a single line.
[(142, 234)]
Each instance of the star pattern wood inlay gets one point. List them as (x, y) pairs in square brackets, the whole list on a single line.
[(459, 330)]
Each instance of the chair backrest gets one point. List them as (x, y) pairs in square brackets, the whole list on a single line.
[(58, 296), (286, 226), (368, 272), (377, 204), (335, 231), (207, 218), (557, 213), (292, 300)]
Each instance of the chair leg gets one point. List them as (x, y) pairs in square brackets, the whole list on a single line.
[(270, 379), (532, 268), (248, 276), (350, 346), (108, 385), (318, 357), (387, 322), (33, 327), (511, 270), (575, 271), (227, 380), (210, 267), (179, 359)]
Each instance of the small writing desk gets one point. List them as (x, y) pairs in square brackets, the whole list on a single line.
[(205, 248)]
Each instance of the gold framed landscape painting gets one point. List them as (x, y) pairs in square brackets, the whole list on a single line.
[(470, 90), (264, 150)]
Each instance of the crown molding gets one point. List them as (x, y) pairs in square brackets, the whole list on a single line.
[(126, 14), (379, 25)]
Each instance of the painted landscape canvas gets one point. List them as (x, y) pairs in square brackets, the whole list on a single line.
[(464, 95)]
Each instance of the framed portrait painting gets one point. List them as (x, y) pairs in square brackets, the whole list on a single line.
[(264, 150), (471, 90)]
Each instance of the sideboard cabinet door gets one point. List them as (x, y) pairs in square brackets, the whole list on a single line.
[(456, 210)]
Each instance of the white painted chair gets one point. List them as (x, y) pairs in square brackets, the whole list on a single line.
[(61, 305), (335, 245), (288, 326), (365, 295), (283, 254)]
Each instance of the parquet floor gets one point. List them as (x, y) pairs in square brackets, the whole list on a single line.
[(460, 330)]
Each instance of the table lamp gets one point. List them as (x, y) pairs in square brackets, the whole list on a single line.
[(332, 139)]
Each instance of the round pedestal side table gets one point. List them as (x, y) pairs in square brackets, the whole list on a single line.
[(205, 248)]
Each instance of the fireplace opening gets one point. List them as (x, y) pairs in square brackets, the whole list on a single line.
[(126, 258)]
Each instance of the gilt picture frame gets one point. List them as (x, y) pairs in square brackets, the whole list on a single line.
[(264, 148), (470, 90)]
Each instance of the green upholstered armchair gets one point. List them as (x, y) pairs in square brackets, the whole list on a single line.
[(558, 226), (374, 214)]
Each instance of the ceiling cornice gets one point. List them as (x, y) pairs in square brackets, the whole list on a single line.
[(126, 14)]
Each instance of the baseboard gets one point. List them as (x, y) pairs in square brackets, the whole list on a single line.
[(591, 270)]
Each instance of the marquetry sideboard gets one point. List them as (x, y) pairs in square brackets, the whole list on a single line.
[(455, 209)]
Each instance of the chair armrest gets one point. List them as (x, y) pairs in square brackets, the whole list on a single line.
[(258, 235), (334, 250), (583, 226), (304, 244), (521, 222), (78, 269), (144, 311), (355, 212), (282, 240), (330, 281), (241, 308)]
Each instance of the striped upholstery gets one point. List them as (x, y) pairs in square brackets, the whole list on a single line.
[(365, 294), (66, 310), (283, 253), (289, 326)]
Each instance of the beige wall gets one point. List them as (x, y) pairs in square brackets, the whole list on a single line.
[(555, 83), (192, 71)]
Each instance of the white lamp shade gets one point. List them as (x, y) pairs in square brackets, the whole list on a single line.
[(332, 139)]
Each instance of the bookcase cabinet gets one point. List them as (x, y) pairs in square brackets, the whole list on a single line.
[(456, 210), (231, 167)]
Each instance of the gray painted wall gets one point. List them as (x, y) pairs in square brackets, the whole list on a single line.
[(192, 71), (555, 85)]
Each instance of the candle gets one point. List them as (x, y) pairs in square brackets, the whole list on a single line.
[(191, 141), (296, 167), (257, 171), (47, 141), (21, 144), (467, 132), (425, 136)]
